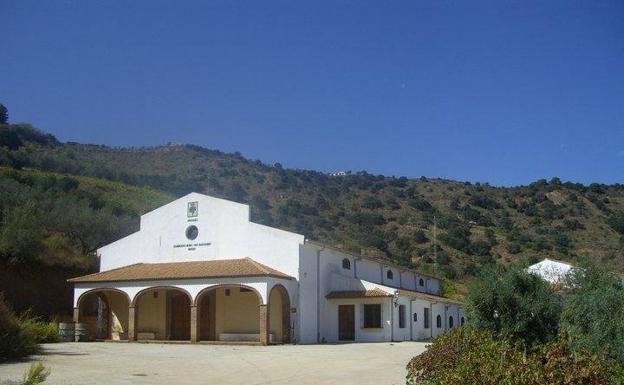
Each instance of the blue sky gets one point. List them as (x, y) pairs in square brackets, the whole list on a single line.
[(504, 92)]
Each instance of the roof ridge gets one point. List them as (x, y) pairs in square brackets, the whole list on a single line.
[(260, 266)]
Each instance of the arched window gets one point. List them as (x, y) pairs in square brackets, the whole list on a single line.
[(439, 322), (450, 322), (421, 282), (461, 322), (389, 274), (346, 264)]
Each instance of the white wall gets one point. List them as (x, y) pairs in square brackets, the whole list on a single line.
[(225, 232), (330, 320)]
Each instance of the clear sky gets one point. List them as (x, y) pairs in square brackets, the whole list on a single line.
[(504, 92)]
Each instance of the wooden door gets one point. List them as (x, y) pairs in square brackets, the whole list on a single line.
[(346, 322), (180, 317), (207, 319)]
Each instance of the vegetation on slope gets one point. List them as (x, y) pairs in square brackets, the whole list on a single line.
[(477, 224)]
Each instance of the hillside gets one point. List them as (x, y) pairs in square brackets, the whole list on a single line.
[(386, 216)]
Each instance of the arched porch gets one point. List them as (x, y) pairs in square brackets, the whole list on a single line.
[(229, 313), (162, 313), (105, 312), (279, 315)]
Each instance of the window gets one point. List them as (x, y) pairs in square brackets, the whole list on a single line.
[(461, 322), (450, 322), (426, 318), (421, 282), (227, 292), (415, 317), (439, 322), (372, 316), (401, 316), (346, 264), (192, 232), (389, 274)]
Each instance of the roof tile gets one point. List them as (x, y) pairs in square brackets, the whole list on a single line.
[(243, 267)]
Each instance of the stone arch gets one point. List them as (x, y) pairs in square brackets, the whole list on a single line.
[(165, 287), (110, 319), (103, 289), (226, 285), (163, 317), (225, 310), (279, 313)]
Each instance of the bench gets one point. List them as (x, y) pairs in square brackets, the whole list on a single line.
[(245, 337)]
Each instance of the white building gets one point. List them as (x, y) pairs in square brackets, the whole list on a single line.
[(199, 270), (553, 272)]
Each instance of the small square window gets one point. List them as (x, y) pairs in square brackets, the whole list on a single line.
[(227, 292)]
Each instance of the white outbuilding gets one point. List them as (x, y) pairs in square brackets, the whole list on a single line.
[(554, 272), (199, 270)]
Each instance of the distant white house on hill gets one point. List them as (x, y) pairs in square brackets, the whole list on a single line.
[(554, 272)]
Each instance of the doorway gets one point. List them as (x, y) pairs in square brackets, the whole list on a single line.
[(180, 317), (346, 322)]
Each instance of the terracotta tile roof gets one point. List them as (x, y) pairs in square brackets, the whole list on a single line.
[(372, 293), (243, 267), (427, 296)]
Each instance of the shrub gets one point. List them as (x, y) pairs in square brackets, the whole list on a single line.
[(466, 356), (44, 332), (15, 340), (513, 304), (36, 374), (593, 312)]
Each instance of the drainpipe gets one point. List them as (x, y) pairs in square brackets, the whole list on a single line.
[(411, 321), (391, 319), (318, 294)]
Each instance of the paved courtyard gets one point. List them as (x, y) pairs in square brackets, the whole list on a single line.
[(122, 363)]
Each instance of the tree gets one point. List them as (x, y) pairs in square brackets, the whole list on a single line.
[(4, 114), (20, 235), (593, 313), (513, 304)]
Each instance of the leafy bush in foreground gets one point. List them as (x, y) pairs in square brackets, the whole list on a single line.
[(15, 340), (593, 315), (44, 332), (19, 336), (465, 356), (513, 304), (36, 374)]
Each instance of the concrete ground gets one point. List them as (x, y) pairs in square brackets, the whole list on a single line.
[(123, 363)]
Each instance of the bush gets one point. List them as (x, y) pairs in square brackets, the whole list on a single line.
[(465, 356), (44, 332), (513, 304), (593, 312), (37, 374), (15, 341)]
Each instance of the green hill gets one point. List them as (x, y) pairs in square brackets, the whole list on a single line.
[(390, 217)]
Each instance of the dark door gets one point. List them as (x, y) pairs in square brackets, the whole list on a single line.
[(180, 317), (346, 322)]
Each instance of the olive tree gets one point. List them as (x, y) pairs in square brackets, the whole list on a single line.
[(513, 304)]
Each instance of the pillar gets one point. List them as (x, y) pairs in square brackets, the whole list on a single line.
[(264, 325), (285, 319), (76, 314), (194, 324), (131, 323)]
